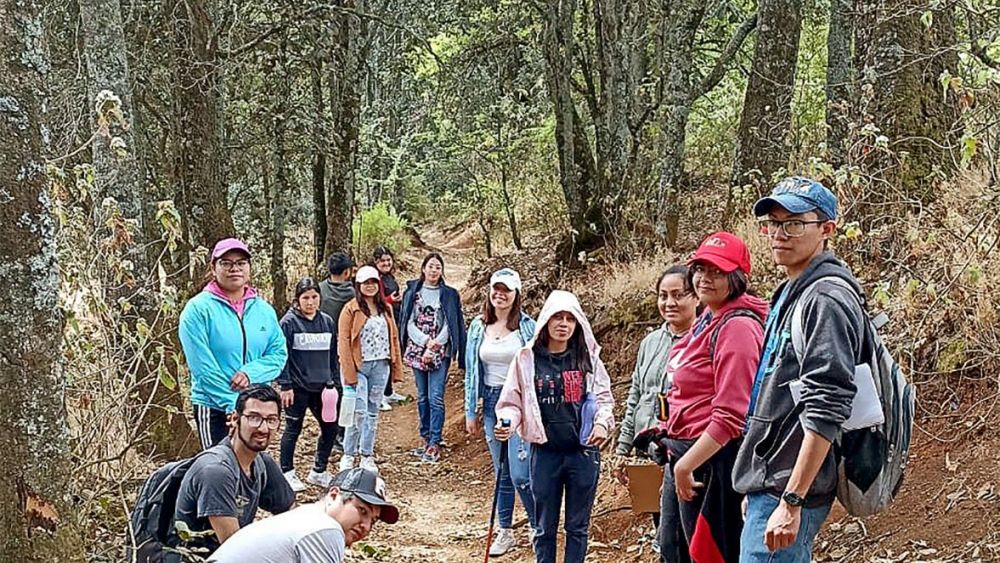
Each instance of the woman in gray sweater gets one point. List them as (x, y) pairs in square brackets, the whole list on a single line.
[(678, 305)]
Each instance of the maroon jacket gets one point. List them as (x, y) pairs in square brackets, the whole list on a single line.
[(712, 394)]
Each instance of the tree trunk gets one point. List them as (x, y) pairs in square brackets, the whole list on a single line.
[(196, 124), (118, 176), (279, 187), (577, 174), (319, 148), (681, 21), (36, 468), (838, 80), (345, 77), (618, 25), (508, 207), (900, 62), (761, 143)]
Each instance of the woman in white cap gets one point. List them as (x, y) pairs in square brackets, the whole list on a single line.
[(494, 338), (231, 339), (368, 346)]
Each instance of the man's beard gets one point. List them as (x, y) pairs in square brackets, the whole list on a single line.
[(253, 447)]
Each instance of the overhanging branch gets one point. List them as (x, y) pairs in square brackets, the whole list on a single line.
[(722, 63)]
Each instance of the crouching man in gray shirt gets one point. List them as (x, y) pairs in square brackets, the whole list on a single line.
[(317, 532)]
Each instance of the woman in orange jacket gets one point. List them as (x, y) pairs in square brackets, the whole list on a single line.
[(368, 346)]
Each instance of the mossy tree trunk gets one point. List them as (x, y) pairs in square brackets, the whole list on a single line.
[(34, 514)]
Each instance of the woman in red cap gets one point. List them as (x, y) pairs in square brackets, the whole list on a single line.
[(710, 373)]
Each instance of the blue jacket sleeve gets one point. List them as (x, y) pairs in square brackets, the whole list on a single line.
[(193, 332), (472, 375), (267, 367)]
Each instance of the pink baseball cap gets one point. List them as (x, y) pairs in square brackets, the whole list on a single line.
[(725, 251), (227, 244)]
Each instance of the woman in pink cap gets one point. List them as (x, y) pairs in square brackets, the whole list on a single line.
[(231, 339), (710, 373)]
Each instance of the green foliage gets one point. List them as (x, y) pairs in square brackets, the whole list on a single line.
[(378, 226)]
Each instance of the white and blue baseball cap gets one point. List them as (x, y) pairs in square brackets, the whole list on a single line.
[(798, 195), (508, 277)]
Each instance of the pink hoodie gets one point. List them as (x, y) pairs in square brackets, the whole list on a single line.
[(238, 306), (713, 396), (518, 401)]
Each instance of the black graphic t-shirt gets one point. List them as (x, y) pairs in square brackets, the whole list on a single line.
[(561, 389)]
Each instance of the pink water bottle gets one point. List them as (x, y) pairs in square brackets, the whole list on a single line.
[(329, 399)]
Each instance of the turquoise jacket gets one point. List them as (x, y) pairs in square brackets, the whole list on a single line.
[(217, 343), (474, 384)]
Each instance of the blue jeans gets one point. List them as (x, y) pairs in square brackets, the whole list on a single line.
[(752, 546), (430, 401), (553, 474), (516, 473), (372, 378)]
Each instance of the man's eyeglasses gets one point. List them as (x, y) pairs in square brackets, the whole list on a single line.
[(792, 228), (231, 264), (255, 420)]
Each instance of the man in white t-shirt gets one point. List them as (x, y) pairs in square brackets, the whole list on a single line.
[(317, 532)]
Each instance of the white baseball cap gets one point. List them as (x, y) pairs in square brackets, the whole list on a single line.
[(366, 273), (508, 277)]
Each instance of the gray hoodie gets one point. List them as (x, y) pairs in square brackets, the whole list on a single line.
[(649, 379), (833, 323)]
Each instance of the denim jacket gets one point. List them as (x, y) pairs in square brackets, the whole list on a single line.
[(475, 386)]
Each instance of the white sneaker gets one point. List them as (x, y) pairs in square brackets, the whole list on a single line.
[(319, 479), (385, 406), (346, 462), (397, 398), (502, 542), (294, 482), (368, 462)]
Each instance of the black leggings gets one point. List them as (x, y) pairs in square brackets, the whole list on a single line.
[(294, 417), (211, 425)]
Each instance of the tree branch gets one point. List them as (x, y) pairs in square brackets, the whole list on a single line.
[(722, 63), (975, 48)]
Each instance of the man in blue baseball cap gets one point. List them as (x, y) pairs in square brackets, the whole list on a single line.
[(785, 465)]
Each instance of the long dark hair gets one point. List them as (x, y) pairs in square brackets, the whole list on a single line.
[(381, 251), (380, 305), (428, 258), (513, 319), (577, 345)]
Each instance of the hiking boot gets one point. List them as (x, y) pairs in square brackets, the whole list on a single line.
[(368, 462), (503, 542), (431, 455), (294, 482), (397, 398), (320, 479), (385, 406), (346, 462)]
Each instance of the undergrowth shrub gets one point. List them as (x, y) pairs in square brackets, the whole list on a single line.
[(379, 226)]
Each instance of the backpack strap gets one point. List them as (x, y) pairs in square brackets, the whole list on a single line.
[(713, 338), (798, 328)]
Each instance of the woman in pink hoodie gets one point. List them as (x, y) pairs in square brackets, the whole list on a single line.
[(711, 372), (557, 396)]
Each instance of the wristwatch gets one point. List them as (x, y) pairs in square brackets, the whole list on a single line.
[(792, 499)]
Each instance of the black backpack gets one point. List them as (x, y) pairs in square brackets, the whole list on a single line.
[(153, 514)]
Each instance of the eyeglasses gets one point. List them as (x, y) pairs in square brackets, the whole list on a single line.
[(231, 264), (255, 420), (708, 271), (792, 228)]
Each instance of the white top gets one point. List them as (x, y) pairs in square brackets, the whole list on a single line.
[(375, 339), (496, 356), (304, 535)]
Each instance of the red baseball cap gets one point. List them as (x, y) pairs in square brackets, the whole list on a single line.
[(723, 250)]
